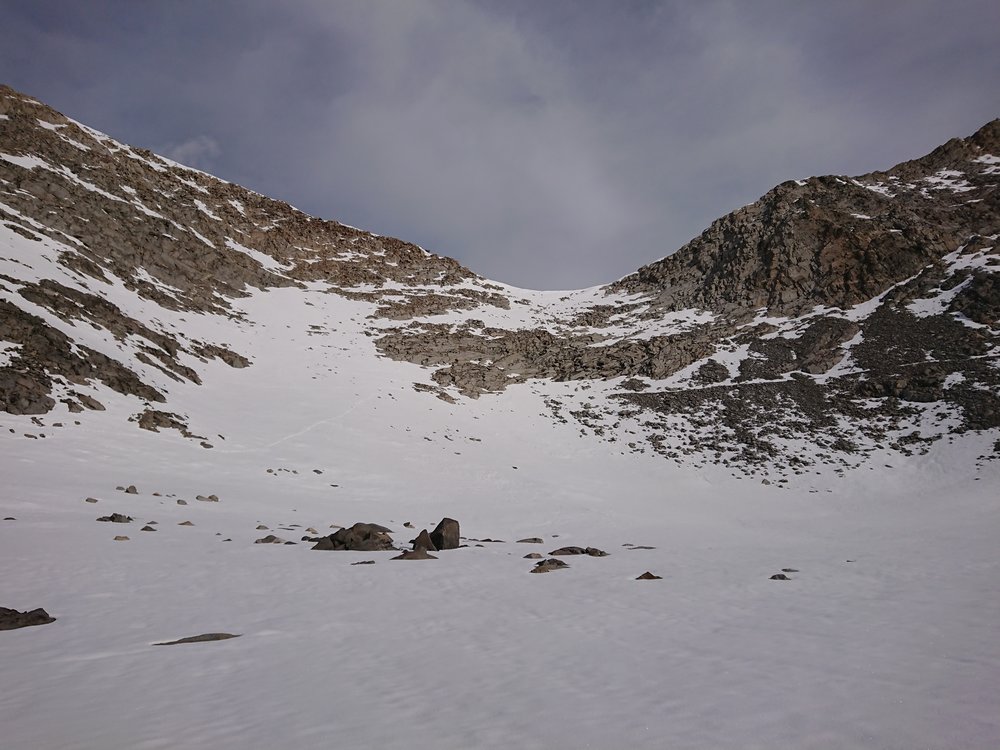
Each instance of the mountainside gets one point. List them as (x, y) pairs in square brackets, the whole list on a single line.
[(766, 462), (856, 313)]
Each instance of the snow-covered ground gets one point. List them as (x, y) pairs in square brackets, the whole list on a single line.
[(885, 637)]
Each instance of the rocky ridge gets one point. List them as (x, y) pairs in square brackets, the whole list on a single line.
[(853, 313)]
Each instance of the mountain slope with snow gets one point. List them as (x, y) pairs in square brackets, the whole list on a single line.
[(164, 329)]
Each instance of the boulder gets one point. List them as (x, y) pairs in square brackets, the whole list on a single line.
[(533, 556), (546, 566), (11, 619), (780, 577), (423, 541), (417, 554), (270, 539), (365, 537), (116, 518), (531, 540), (446, 534), (592, 551), (647, 576), (131, 490)]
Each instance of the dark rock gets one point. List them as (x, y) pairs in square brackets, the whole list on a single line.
[(270, 539), (533, 556), (789, 570), (201, 638), (423, 541), (546, 566), (185, 523), (365, 537), (11, 619), (417, 554), (90, 500), (121, 538), (592, 551), (116, 518), (569, 551), (408, 525), (780, 577), (446, 534), (647, 576), (131, 490), (147, 527), (531, 540), (363, 562)]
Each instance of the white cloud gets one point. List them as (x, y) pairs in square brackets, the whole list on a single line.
[(200, 152)]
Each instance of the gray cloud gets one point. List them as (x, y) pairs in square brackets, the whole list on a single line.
[(551, 144)]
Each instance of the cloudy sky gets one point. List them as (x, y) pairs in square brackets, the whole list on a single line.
[(545, 143)]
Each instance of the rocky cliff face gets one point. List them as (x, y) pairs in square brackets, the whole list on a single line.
[(843, 314)]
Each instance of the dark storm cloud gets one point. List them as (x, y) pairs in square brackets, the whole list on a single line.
[(547, 144)]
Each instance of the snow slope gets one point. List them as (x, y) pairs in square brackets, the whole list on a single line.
[(884, 638)]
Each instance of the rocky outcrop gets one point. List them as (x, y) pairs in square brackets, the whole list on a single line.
[(833, 241)]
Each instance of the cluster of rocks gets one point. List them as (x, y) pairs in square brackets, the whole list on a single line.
[(372, 537)]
